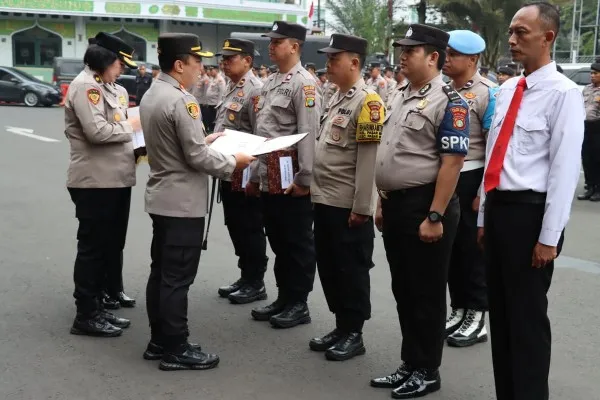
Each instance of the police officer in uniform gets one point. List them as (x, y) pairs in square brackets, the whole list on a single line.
[(243, 215), (378, 82), (504, 73), (590, 151), (290, 103), (142, 84), (466, 279), (215, 89), (401, 83), (328, 89), (101, 174), (344, 197), (425, 139), (176, 198)]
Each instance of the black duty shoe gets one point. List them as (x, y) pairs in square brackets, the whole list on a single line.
[(588, 192), (471, 331), (265, 313), (294, 314), (125, 300), (454, 321), (96, 326), (186, 357), (225, 291), (156, 352), (248, 293), (395, 379), (324, 342), (420, 383), (114, 320), (110, 303), (596, 195), (348, 347)]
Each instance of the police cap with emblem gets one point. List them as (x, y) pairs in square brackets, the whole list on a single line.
[(116, 45), (321, 72), (506, 70), (418, 34), (283, 30), (174, 44), (375, 65), (595, 67), (466, 42), (340, 43), (232, 46)]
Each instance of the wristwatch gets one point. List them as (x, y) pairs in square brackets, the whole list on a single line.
[(435, 217)]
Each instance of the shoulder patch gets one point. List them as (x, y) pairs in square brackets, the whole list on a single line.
[(193, 109), (459, 117), (370, 120), (94, 96), (452, 94)]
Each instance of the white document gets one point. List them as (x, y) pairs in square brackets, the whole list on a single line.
[(287, 171), (235, 142), (245, 177), (138, 136)]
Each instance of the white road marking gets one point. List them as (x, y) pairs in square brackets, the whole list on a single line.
[(29, 133)]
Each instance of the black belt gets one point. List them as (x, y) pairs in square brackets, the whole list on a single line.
[(517, 196), (390, 194), (206, 105)]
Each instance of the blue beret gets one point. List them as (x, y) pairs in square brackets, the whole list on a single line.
[(466, 42)]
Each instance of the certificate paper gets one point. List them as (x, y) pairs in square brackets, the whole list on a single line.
[(138, 136), (287, 171), (239, 142)]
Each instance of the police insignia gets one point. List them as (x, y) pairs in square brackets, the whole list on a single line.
[(422, 104), (382, 84), (231, 116), (117, 117), (93, 96), (241, 82), (470, 95), (288, 77), (375, 108), (255, 101), (309, 90), (233, 106), (193, 109), (122, 100), (370, 120), (425, 89), (459, 117), (597, 98), (469, 84), (338, 120), (309, 102), (97, 79), (240, 93), (226, 44), (335, 135)]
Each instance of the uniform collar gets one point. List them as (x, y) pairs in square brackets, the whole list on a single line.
[(425, 90), (475, 79), (540, 74), (169, 79)]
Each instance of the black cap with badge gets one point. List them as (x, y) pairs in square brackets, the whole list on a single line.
[(115, 44), (232, 46), (174, 44), (340, 43), (283, 30), (418, 34)]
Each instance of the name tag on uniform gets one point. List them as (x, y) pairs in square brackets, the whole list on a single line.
[(287, 171)]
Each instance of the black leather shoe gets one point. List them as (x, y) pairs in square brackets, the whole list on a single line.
[(125, 300), (420, 383), (225, 291), (294, 314), (110, 303), (156, 352), (324, 342), (186, 357), (114, 320), (96, 326), (394, 379), (588, 192), (596, 195), (265, 313), (350, 346), (248, 293)]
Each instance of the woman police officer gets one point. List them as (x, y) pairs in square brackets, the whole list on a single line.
[(100, 176)]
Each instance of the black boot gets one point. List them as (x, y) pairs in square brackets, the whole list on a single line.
[(292, 315), (155, 351), (225, 291), (588, 192), (96, 326), (351, 345), (324, 342), (249, 292), (420, 383), (265, 313), (110, 303), (125, 300), (595, 197), (114, 320), (186, 357)]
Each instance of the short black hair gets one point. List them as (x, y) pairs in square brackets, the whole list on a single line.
[(166, 62), (361, 59), (98, 58), (549, 15), (441, 59)]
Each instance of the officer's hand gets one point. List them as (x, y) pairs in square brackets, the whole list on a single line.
[(252, 189), (480, 237), (135, 123), (212, 137), (357, 220), (379, 218), (476, 204), (542, 255), (297, 190), (242, 160), (430, 232)]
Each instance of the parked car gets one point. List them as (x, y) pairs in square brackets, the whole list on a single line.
[(20, 87), (66, 69), (580, 75)]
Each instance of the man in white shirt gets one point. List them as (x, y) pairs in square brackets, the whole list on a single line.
[(532, 170)]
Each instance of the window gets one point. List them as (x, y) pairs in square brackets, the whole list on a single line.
[(6, 76), (36, 47), (582, 78)]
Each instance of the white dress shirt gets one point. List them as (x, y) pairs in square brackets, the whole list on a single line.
[(544, 151)]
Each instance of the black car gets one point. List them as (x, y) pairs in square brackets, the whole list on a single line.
[(20, 87)]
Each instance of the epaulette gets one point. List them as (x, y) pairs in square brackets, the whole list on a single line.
[(452, 94)]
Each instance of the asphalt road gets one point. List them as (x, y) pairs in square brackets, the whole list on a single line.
[(39, 359)]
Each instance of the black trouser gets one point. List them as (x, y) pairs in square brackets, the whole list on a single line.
[(466, 277), (243, 217), (288, 224), (209, 113), (175, 252), (344, 258), (520, 328), (590, 153), (103, 215), (419, 272)]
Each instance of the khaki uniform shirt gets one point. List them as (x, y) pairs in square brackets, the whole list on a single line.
[(344, 168), (391, 85), (99, 134), (419, 128), (199, 89), (329, 89), (215, 91), (180, 161), (380, 86), (480, 94), (591, 98), (236, 111), (289, 103)]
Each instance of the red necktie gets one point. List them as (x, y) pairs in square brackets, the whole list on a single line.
[(491, 179)]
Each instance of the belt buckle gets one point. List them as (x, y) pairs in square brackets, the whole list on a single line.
[(382, 194)]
